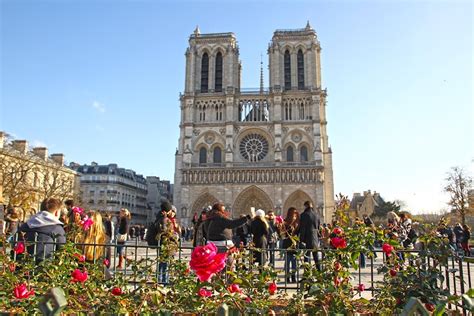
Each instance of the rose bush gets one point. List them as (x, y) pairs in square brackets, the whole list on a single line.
[(205, 283)]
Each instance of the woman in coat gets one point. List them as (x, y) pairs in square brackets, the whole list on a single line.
[(260, 231), (123, 229), (290, 231)]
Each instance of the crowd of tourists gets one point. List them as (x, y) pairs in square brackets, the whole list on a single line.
[(263, 231)]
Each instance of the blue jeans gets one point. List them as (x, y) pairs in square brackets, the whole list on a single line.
[(290, 260), (163, 272)]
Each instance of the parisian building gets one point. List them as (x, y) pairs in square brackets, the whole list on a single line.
[(158, 192), (110, 188), (30, 175), (265, 147)]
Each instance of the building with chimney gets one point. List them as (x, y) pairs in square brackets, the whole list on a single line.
[(28, 176), (266, 147)]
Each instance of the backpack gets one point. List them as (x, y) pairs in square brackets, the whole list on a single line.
[(152, 232)]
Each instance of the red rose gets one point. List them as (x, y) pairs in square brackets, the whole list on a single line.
[(248, 299), (19, 248), (393, 272), (21, 291), (80, 258), (79, 276), (272, 288), (361, 287), (337, 266), (234, 288), (388, 249), (206, 262), (337, 231), (106, 262), (430, 307), (187, 271), (338, 242), (337, 281), (204, 293), (117, 291)]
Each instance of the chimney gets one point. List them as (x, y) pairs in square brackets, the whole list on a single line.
[(58, 158), (41, 152), (21, 146), (2, 139)]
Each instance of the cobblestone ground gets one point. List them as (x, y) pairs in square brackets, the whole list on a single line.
[(367, 276)]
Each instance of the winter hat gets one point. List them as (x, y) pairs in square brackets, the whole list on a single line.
[(260, 213), (166, 206)]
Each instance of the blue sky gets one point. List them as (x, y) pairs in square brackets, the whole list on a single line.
[(100, 81)]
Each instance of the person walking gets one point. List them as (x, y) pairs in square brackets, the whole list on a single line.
[(309, 229), (260, 230), (123, 229), (290, 230), (465, 240)]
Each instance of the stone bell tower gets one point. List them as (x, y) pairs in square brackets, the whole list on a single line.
[(263, 147)]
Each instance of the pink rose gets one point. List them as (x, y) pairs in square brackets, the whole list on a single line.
[(77, 210), (79, 276), (86, 222), (19, 248), (234, 288), (279, 219), (206, 262), (204, 293), (106, 262), (21, 291), (338, 242), (272, 288), (361, 287), (388, 249)]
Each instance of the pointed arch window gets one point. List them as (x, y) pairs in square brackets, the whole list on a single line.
[(300, 64), (218, 74), (205, 73), (289, 153), (202, 155), (217, 155), (287, 70), (304, 153)]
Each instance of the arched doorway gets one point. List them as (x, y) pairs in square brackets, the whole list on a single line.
[(251, 197), (296, 199), (204, 200)]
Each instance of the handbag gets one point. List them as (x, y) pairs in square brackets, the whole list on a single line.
[(122, 238)]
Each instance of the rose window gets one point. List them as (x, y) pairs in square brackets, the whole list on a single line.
[(254, 147)]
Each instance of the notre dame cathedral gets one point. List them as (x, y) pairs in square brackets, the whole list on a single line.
[(265, 148)]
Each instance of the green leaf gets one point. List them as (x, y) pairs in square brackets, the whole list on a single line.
[(470, 293), (439, 311)]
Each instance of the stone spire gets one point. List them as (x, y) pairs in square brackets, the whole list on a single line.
[(261, 73), (308, 26), (197, 31)]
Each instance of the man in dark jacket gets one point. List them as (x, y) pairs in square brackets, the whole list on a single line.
[(46, 228), (309, 229)]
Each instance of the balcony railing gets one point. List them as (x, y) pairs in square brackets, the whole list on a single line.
[(260, 164)]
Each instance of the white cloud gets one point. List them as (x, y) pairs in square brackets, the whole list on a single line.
[(100, 107)]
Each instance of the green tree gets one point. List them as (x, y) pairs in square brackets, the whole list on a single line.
[(386, 207), (457, 186)]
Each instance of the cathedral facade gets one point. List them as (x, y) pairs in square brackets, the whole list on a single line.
[(265, 148)]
